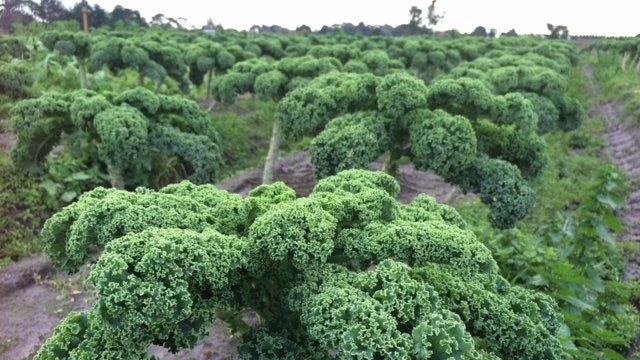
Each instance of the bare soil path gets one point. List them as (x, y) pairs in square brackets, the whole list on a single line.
[(622, 144), (34, 298), (7, 140), (297, 171)]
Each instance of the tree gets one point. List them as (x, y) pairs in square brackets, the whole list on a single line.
[(558, 31), (415, 23), (303, 30), (98, 17), (129, 137), (16, 11), (434, 18), (479, 31), (162, 21), (346, 273), (51, 10), (209, 25), (127, 16)]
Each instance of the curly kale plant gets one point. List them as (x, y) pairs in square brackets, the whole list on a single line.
[(454, 128), (269, 79), (128, 136), (206, 57), (15, 80), (73, 44), (538, 78), (346, 273), (148, 57)]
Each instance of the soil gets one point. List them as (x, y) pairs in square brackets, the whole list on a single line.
[(7, 139), (34, 298), (297, 171), (32, 301), (622, 144)]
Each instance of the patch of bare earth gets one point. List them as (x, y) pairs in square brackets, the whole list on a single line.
[(34, 299), (7, 140), (297, 172)]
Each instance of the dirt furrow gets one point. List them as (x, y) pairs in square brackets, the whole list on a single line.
[(622, 144), (297, 172)]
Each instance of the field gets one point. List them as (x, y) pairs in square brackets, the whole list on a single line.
[(182, 194)]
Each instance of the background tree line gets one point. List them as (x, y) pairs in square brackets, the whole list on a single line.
[(48, 11)]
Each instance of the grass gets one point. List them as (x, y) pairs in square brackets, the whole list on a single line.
[(24, 206), (618, 84), (245, 131)]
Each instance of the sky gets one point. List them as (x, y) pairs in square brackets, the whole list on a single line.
[(586, 17)]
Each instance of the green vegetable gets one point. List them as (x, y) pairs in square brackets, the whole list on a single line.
[(347, 272)]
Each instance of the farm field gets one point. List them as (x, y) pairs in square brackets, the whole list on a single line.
[(355, 192)]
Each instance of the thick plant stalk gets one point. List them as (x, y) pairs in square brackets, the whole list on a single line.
[(272, 156), (209, 77), (450, 196), (391, 163), (623, 63), (141, 79), (82, 72), (116, 178), (212, 105)]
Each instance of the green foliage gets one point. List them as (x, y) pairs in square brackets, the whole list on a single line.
[(24, 206), (441, 142), (270, 85), (547, 113), (147, 56), (502, 188), (347, 272), (572, 113), (399, 94), (227, 88), (350, 141), (12, 47), (505, 126), (395, 120), (566, 247), (307, 109), (127, 133), (15, 80), (245, 128), (271, 80), (67, 43)]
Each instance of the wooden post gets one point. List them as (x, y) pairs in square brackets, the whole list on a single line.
[(85, 17)]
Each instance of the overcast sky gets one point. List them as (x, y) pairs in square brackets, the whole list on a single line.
[(608, 17)]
